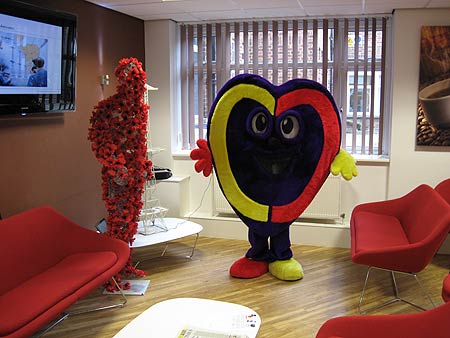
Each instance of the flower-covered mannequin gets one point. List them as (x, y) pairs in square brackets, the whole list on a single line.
[(118, 135)]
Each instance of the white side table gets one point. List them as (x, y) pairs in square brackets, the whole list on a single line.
[(176, 228), (167, 319)]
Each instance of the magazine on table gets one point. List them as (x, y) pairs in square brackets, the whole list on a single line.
[(192, 332)]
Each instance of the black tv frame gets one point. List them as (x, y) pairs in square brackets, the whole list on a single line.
[(16, 105)]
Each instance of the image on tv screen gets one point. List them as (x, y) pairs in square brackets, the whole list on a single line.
[(30, 56)]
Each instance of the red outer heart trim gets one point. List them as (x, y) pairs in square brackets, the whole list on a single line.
[(332, 140)]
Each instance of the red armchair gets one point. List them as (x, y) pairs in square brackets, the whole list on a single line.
[(428, 324), (432, 323), (446, 289), (443, 188), (399, 235), (47, 264)]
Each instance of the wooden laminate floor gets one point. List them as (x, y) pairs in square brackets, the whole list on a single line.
[(330, 288)]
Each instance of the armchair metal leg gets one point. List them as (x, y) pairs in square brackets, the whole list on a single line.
[(396, 292), (424, 291), (65, 315)]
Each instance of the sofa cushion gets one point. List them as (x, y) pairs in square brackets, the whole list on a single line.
[(376, 231), (30, 299)]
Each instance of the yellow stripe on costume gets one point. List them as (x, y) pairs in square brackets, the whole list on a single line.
[(218, 143)]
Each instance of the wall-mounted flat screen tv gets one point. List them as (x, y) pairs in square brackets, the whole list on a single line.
[(37, 59)]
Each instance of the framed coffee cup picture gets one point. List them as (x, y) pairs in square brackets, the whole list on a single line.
[(433, 112)]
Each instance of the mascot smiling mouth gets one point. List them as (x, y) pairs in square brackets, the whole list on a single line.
[(274, 165)]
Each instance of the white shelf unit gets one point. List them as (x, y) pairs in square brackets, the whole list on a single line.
[(152, 214)]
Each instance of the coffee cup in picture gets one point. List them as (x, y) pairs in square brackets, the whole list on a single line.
[(435, 101)]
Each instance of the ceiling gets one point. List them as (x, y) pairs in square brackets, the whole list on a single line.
[(209, 10)]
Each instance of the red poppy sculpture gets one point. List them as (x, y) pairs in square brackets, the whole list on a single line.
[(118, 135)]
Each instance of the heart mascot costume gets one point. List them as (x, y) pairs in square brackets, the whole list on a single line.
[(271, 148)]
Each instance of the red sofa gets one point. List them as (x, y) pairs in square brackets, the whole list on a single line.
[(47, 264)]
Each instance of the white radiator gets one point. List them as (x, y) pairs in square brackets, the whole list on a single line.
[(326, 205)]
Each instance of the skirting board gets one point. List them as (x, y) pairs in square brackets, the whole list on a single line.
[(315, 234)]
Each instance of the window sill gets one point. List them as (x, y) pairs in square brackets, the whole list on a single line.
[(181, 155), (372, 159)]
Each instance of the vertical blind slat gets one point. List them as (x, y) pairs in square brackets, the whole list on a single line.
[(191, 76), (372, 84), (343, 79), (237, 43), (184, 85), (245, 33), (355, 84), (208, 80), (219, 57), (285, 50), (295, 49), (383, 79), (227, 50), (325, 54), (255, 47), (275, 49), (201, 77), (305, 49), (364, 97), (336, 66), (315, 44), (265, 48)]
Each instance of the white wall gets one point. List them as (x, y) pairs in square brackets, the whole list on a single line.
[(160, 66), (376, 180)]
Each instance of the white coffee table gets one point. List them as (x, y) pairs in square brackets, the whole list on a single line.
[(176, 228), (167, 319)]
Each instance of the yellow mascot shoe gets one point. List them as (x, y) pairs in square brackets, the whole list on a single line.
[(288, 269)]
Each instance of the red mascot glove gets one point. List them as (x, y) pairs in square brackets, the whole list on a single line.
[(203, 157)]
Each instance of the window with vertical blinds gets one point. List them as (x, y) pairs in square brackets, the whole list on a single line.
[(347, 55)]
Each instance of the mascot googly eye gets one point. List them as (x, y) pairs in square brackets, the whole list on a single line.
[(271, 148)]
